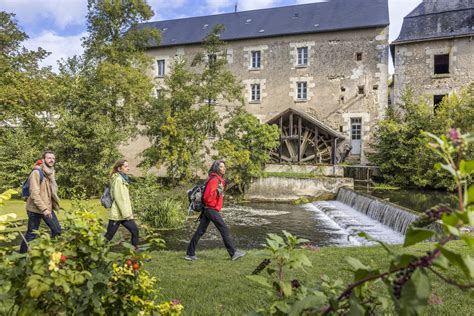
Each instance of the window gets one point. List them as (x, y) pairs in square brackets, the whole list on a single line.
[(256, 54), (161, 67), (358, 56), (356, 128), (255, 92), (212, 58), (361, 89), (158, 93), (211, 101), (302, 90), (302, 56), (437, 100), (441, 64)]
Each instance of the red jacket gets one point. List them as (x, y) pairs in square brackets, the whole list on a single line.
[(212, 199)]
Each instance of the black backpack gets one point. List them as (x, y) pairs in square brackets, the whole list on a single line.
[(106, 199), (25, 188), (195, 196)]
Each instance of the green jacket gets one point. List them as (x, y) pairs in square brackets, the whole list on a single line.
[(121, 207)]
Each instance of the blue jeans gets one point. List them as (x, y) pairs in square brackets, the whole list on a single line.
[(34, 220)]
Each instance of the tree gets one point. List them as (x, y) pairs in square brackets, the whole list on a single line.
[(245, 146), (183, 116), (399, 143), (26, 109), (103, 94)]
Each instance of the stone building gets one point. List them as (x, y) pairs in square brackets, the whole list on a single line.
[(434, 53), (319, 70)]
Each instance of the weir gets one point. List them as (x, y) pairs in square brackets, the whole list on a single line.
[(388, 214)]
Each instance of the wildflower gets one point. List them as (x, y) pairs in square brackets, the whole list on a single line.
[(455, 136), (54, 261)]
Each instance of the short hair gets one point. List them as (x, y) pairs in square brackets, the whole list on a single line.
[(47, 152)]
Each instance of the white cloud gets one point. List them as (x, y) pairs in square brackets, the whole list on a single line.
[(63, 13), (58, 46), (255, 4), (159, 6)]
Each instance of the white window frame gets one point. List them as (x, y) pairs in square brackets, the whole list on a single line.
[(302, 90), (255, 92), (160, 68), (302, 56), (256, 59)]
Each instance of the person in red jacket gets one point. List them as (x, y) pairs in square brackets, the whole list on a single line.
[(213, 199)]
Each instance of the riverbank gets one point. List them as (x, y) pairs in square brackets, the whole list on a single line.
[(214, 285)]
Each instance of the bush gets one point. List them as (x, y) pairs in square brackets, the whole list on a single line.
[(76, 274), (158, 206), (399, 145)]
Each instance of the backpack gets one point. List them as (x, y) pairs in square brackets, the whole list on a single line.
[(195, 196), (25, 188), (106, 198)]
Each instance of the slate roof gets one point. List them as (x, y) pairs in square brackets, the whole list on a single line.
[(438, 19), (332, 15)]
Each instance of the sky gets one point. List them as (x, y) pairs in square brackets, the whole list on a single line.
[(59, 25)]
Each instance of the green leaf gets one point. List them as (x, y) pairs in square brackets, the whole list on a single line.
[(260, 280), (356, 307), (415, 294), (415, 235), (356, 264), (470, 195), (464, 262), (308, 302), (468, 239), (466, 167), (442, 262)]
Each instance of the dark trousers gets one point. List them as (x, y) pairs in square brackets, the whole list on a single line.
[(207, 216), (130, 225), (34, 221)]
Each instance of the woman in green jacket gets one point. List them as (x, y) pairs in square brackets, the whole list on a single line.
[(121, 210)]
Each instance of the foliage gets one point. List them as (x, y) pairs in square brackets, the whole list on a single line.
[(26, 91), (25, 98), (156, 206), (102, 95), (407, 280), (398, 139), (245, 146), (183, 116), (76, 273), (18, 153), (283, 259)]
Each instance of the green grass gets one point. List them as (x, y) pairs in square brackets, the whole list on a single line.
[(214, 285), (18, 207)]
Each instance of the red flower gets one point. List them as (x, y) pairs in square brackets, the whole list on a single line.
[(63, 258), (39, 162), (129, 262), (455, 136), (136, 266)]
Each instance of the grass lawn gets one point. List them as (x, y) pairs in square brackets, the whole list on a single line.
[(214, 285), (17, 206)]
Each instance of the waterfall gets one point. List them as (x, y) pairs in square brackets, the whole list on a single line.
[(388, 214)]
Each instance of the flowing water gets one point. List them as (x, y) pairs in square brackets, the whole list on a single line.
[(328, 223)]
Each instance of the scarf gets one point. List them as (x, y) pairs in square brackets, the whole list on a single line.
[(125, 177), (50, 174)]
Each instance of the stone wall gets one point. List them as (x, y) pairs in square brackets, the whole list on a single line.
[(288, 189), (414, 68), (340, 87), (317, 170)]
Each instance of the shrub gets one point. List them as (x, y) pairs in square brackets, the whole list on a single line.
[(398, 139), (76, 274), (158, 206)]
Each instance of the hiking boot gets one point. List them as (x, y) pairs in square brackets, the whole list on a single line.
[(238, 254), (190, 258)]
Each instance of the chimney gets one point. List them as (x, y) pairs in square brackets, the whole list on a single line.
[(235, 7)]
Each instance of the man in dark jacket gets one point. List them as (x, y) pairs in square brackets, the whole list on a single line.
[(213, 199)]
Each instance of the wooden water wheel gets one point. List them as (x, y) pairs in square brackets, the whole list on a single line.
[(312, 149), (304, 139)]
